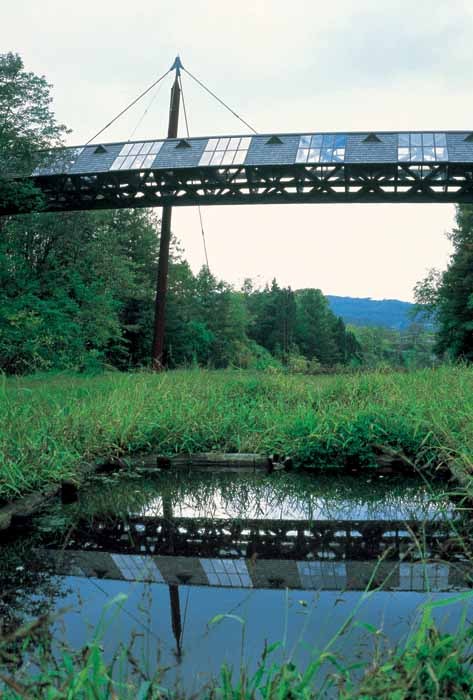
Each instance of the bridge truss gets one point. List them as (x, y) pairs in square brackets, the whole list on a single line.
[(258, 184)]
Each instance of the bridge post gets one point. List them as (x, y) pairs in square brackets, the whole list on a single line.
[(163, 262)]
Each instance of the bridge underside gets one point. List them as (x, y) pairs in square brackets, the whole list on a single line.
[(262, 184)]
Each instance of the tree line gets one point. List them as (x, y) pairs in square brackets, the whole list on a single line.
[(77, 291), (79, 287)]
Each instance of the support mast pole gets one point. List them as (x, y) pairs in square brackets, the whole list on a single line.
[(163, 262)]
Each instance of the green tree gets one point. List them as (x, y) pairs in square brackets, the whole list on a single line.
[(451, 293), (74, 287), (272, 314), (28, 128), (380, 346), (316, 326), (223, 313)]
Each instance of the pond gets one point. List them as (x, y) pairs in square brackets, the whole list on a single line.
[(213, 567)]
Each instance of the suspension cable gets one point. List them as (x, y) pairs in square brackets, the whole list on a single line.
[(198, 206), (140, 120), (219, 100), (131, 104)]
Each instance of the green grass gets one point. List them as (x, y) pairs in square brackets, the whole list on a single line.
[(50, 424)]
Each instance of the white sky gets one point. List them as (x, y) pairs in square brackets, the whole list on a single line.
[(302, 66)]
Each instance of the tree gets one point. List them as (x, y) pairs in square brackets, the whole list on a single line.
[(28, 128), (74, 287), (223, 313), (272, 314), (315, 327), (450, 294)]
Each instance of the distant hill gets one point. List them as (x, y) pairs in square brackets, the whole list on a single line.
[(390, 313)]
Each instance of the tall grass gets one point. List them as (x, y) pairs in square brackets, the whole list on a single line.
[(51, 424), (428, 666)]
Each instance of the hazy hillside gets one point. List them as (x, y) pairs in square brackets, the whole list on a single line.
[(391, 313)]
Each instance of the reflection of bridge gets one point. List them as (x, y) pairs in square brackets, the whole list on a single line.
[(261, 573), (260, 169), (326, 555), (289, 539)]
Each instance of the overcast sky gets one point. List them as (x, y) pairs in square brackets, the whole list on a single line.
[(301, 66)]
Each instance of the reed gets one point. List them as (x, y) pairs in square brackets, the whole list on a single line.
[(50, 424)]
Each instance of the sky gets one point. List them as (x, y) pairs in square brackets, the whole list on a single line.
[(305, 66)]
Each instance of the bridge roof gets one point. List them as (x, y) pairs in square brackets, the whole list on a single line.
[(284, 149)]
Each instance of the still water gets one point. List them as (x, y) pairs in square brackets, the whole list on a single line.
[(287, 558)]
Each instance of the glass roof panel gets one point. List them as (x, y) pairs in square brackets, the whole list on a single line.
[(138, 162), (429, 153), (118, 161), (225, 151), (206, 157), (239, 157), (427, 140), (302, 155), (127, 162), (404, 141), (325, 148), (135, 155), (403, 153), (328, 140), (426, 147), (126, 149), (156, 147), (326, 155), (148, 161), (228, 157), (217, 158)]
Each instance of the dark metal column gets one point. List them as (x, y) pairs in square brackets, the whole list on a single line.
[(163, 262)]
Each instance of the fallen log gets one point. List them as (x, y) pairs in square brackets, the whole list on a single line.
[(206, 460)]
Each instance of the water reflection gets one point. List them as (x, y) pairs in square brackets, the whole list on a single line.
[(252, 533), (268, 549)]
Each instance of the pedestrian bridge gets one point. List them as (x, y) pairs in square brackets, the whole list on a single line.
[(258, 169)]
